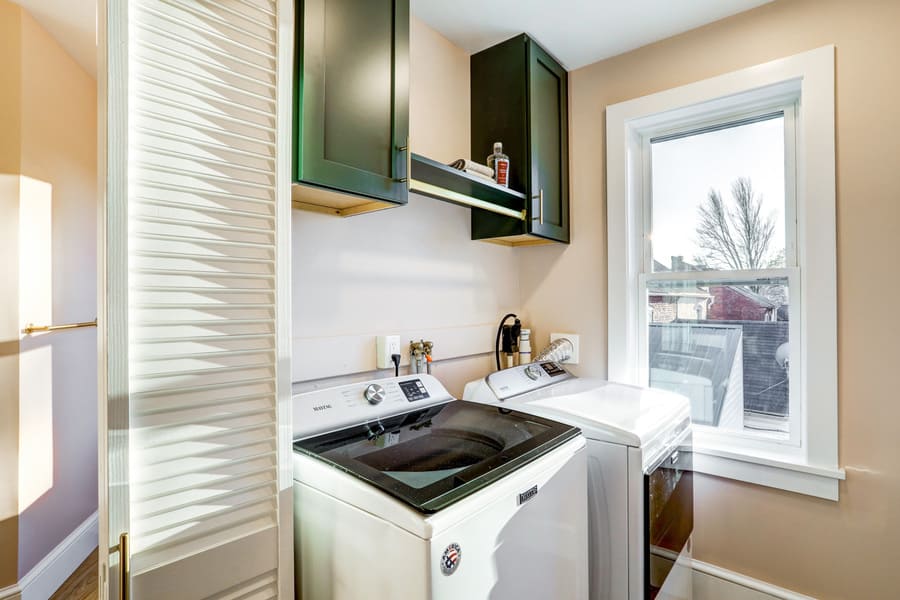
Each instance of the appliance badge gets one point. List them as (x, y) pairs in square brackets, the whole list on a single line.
[(528, 494), (450, 559)]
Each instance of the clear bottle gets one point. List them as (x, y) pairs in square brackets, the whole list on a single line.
[(500, 163), (525, 346)]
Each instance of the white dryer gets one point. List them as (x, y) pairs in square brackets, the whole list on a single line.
[(640, 481), (403, 493)]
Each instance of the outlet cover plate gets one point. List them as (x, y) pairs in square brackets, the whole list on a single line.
[(385, 345), (572, 337)]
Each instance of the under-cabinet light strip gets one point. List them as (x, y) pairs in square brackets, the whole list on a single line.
[(433, 190)]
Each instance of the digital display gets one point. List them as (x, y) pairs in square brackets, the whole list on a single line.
[(552, 369), (414, 390)]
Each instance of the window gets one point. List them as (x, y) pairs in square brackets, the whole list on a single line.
[(719, 260), (722, 265)]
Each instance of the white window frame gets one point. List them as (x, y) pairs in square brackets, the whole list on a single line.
[(772, 101), (808, 462)]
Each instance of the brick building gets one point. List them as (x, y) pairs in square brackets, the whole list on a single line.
[(737, 303)]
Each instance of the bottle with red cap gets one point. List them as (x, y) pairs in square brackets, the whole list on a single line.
[(500, 163)]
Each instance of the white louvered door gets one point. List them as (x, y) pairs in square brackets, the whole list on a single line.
[(196, 316)]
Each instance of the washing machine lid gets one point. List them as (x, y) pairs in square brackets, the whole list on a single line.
[(432, 457), (605, 411)]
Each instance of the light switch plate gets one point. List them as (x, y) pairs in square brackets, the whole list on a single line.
[(572, 337), (385, 345)]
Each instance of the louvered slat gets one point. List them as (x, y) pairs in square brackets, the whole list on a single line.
[(261, 588), (202, 276)]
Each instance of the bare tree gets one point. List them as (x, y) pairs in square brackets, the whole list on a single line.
[(736, 237)]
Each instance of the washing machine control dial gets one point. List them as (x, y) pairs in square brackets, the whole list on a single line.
[(533, 372), (374, 393)]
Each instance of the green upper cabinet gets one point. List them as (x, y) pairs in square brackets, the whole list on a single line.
[(351, 104), (520, 98)]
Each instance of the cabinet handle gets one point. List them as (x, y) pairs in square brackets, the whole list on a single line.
[(540, 217), (408, 162)]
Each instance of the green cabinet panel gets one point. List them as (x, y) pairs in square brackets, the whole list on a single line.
[(351, 97), (520, 98)]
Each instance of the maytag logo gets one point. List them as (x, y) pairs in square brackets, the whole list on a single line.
[(321, 407), (528, 495)]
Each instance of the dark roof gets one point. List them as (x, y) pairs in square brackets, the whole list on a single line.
[(751, 295)]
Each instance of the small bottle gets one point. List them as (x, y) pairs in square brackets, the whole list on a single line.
[(525, 347), (500, 163)]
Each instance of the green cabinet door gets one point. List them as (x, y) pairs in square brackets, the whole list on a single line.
[(548, 132), (520, 98), (351, 97)]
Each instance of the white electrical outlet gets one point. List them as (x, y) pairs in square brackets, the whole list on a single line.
[(572, 337), (385, 345)]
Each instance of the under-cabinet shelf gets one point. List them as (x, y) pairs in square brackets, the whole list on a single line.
[(442, 182)]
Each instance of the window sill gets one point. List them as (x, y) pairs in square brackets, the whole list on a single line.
[(771, 471)]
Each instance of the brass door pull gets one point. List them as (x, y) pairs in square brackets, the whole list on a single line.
[(124, 550), (540, 217), (32, 328), (408, 162)]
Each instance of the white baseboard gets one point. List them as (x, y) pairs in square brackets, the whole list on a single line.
[(10, 592), (53, 570), (715, 583)]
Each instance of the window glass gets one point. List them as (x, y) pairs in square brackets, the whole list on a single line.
[(725, 346), (718, 197)]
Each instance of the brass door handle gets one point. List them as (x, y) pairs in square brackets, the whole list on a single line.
[(32, 328), (125, 568), (124, 550), (540, 217)]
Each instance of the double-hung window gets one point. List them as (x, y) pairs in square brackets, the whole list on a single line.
[(719, 270), (722, 265)]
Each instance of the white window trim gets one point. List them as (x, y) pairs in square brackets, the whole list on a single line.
[(812, 468)]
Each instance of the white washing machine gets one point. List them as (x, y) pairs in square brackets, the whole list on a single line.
[(403, 493), (640, 482)]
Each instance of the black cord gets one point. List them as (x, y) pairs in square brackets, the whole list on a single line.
[(395, 358), (499, 333)]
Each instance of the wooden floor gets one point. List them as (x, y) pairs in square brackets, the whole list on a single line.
[(83, 584)]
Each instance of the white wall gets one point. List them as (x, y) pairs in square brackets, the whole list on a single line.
[(412, 270)]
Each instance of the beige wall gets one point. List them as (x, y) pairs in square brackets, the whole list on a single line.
[(59, 146), (413, 269), (438, 96), (48, 103), (10, 143), (10, 86), (848, 549), (9, 377)]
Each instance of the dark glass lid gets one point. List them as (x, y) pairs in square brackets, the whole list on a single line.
[(433, 457)]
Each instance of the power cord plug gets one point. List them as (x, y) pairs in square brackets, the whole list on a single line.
[(395, 358), (500, 330)]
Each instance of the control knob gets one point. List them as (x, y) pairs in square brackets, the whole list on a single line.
[(533, 372), (374, 393)]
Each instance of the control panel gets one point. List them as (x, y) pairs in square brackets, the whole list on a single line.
[(334, 408), (414, 390), (526, 378)]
